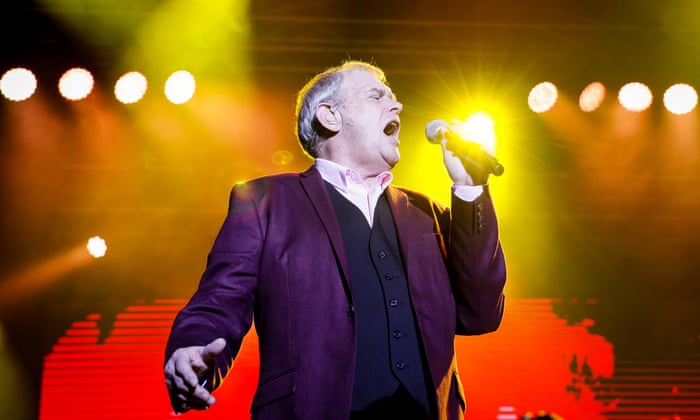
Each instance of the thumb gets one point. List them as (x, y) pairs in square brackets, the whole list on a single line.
[(212, 350)]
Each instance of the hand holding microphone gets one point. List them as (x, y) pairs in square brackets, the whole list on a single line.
[(470, 153)]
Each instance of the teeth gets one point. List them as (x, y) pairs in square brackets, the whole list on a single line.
[(391, 128)]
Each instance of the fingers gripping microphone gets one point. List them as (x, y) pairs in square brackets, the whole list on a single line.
[(437, 130)]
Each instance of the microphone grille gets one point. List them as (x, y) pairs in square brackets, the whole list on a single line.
[(433, 130)]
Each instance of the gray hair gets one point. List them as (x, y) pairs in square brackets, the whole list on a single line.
[(324, 87)]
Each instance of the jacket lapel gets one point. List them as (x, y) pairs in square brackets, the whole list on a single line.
[(407, 227), (315, 189)]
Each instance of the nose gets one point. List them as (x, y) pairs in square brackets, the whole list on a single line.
[(396, 106)]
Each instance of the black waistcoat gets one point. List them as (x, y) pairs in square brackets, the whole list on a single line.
[(388, 347)]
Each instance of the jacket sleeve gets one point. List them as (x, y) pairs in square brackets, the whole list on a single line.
[(476, 264), (223, 303)]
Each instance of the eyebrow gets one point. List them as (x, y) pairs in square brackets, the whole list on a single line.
[(383, 92)]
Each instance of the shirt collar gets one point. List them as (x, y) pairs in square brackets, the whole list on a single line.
[(343, 177)]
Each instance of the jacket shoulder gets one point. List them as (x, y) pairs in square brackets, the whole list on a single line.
[(265, 184)]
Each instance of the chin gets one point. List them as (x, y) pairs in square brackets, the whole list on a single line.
[(393, 162)]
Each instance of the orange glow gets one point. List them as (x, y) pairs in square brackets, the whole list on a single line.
[(15, 288)]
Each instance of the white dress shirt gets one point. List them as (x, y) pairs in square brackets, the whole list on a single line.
[(349, 184)]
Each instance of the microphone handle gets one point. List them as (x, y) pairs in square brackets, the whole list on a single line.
[(473, 151)]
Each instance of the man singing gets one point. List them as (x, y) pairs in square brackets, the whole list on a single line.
[(357, 287)]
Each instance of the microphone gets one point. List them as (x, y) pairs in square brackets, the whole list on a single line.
[(437, 130)]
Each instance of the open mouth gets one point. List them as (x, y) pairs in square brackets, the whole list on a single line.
[(391, 128)]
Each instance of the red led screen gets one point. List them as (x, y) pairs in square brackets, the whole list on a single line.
[(536, 361)]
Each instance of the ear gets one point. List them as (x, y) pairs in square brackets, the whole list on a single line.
[(329, 117)]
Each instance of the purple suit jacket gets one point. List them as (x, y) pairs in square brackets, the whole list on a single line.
[(279, 259)]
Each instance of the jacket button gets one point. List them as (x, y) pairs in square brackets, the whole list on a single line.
[(388, 276), (350, 311), (394, 303), (397, 334), (400, 365), (381, 255)]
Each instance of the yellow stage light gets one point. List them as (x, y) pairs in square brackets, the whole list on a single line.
[(130, 87), (680, 98), (18, 84), (592, 96), (635, 97), (76, 84), (478, 128), (542, 97), (180, 87)]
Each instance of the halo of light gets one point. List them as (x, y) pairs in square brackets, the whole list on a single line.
[(97, 247), (542, 97), (130, 87), (18, 84), (478, 128), (680, 98), (635, 97), (180, 87), (76, 84), (591, 97)]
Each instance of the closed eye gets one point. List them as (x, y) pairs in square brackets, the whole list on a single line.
[(377, 94)]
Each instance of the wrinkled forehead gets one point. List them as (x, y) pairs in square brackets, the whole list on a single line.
[(364, 81)]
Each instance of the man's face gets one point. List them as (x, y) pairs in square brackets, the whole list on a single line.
[(370, 123)]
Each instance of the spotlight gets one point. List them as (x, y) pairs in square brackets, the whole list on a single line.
[(130, 87), (97, 247), (680, 98), (591, 97), (18, 84), (635, 97), (542, 97), (478, 128), (76, 84), (180, 87)]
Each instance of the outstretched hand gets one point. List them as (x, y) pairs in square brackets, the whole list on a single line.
[(183, 372)]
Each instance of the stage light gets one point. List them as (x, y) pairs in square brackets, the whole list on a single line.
[(97, 247), (18, 84), (180, 87), (76, 84), (478, 128), (680, 98), (591, 97), (130, 87), (542, 97), (635, 97)]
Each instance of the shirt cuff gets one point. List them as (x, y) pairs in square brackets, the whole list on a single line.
[(468, 192)]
